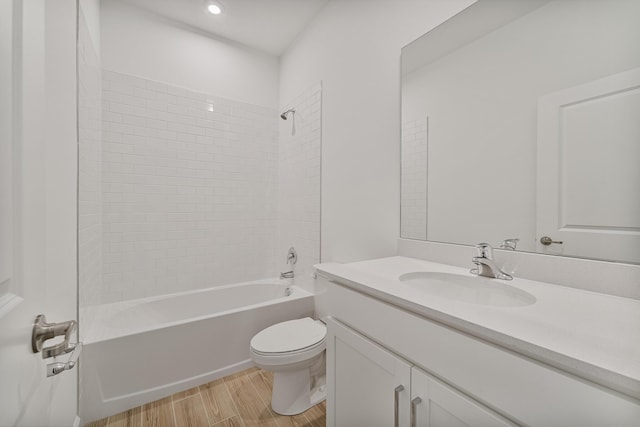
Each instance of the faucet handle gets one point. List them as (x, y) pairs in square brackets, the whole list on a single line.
[(292, 256), (484, 250), (509, 244)]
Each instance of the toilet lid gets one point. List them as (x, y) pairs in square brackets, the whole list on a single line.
[(289, 336)]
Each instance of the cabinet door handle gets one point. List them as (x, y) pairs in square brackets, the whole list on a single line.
[(396, 405), (414, 408)]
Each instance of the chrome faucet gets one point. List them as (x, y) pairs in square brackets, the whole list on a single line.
[(485, 265), (292, 258)]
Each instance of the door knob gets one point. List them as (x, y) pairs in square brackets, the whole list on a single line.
[(546, 240)]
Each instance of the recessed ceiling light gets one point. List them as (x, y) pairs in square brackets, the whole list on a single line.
[(214, 9)]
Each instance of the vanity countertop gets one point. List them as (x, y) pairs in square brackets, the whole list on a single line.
[(592, 335)]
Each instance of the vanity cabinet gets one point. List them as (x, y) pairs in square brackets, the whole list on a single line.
[(371, 386), (435, 404), (365, 378), (374, 346)]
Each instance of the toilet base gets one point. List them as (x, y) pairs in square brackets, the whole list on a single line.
[(296, 391)]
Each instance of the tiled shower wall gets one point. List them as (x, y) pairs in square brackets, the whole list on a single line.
[(299, 183), (413, 204), (189, 189), (89, 167)]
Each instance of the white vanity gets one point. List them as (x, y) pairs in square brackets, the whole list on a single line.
[(407, 353)]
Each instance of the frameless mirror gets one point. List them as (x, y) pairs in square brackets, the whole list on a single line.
[(521, 128)]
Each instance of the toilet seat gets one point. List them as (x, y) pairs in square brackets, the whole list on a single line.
[(292, 336), (310, 349), (289, 343)]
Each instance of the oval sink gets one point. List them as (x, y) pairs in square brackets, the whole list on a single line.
[(470, 289)]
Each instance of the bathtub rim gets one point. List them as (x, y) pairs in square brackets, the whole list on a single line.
[(99, 311)]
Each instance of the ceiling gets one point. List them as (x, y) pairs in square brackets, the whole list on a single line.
[(267, 25)]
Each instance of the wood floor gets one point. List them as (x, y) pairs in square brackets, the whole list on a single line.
[(241, 399)]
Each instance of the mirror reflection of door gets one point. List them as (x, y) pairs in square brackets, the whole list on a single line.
[(588, 175)]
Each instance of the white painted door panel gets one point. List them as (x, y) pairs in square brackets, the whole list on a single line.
[(588, 175), (442, 406), (362, 377), (38, 205)]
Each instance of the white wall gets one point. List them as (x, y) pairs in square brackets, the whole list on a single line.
[(353, 47), (142, 44)]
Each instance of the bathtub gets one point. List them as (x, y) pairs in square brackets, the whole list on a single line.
[(143, 350)]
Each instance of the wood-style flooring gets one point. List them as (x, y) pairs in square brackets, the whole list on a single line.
[(239, 400)]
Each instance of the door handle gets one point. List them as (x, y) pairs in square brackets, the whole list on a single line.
[(396, 405), (414, 409), (43, 331), (546, 240)]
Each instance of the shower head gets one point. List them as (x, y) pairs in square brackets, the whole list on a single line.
[(284, 115)]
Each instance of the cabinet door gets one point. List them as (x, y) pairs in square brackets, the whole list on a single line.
[(435, 404), (362, 381)]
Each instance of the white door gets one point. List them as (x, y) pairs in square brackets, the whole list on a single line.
[(367, 385), (588, 175), (435, 404), (38, 181)]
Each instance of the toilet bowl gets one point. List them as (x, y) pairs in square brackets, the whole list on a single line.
[(294, 352)]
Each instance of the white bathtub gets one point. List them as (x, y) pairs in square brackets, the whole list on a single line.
[(139, 351)]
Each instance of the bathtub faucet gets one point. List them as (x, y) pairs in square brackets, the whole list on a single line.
[(292, 258)]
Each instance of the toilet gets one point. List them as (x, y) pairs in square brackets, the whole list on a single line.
[(294, 352)]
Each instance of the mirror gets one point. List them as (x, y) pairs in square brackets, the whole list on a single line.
[(520, 128)]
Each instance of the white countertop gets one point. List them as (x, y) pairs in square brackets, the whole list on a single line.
[(595, 336)]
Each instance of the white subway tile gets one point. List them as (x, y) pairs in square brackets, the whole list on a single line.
[(155, 86), (206, 177), (121, 88)]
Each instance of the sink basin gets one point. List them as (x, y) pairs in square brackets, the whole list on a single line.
[(469, 289)]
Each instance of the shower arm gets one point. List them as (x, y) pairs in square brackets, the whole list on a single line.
[(285, 115)]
